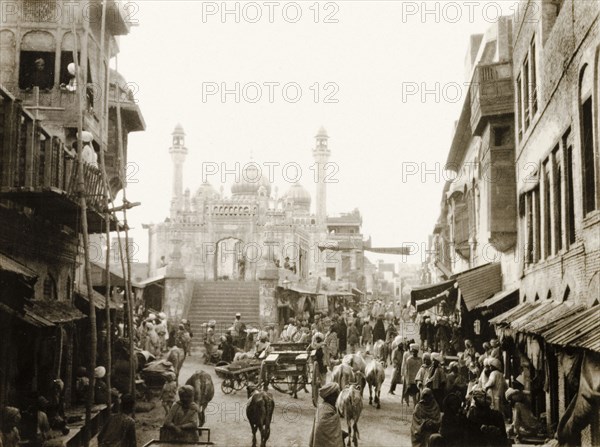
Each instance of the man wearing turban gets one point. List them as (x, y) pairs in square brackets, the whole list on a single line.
[(327, 428), (182, 421), (496, 385)]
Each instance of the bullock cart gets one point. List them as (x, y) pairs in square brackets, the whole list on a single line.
[(237, 375)]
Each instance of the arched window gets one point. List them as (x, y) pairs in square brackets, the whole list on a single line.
[(586, 119), (49, 288), (566, 294), (69, 288), (549, 296), (36, 66), (537, 297)]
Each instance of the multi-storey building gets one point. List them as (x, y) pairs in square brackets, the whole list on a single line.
[(543, 218), (557, 90), (44, 101), (474, 240)]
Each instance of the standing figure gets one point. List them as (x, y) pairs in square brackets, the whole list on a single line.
[(168, 392), (342, 332), (496, 386), (410, 368), (397, 358), (353, 336), (367, 336), (379, 329), (239, 331), (327, 428)]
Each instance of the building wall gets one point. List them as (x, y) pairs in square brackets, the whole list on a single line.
[(564, 44), (573, 42)]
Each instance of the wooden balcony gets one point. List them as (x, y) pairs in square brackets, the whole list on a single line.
[(38, 171), (492, 94)]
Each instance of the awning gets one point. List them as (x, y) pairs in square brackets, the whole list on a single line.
[(99, 299), (23, 273), (430, 291), (149, 281), (519, 324), (26, 317), (431, 302), (580, 329), (506, 317), (55, 311), (480, 283), (356, 291), (498, 299), (335, 293), (550, 316)]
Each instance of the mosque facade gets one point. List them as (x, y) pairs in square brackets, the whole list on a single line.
[(253, 234)]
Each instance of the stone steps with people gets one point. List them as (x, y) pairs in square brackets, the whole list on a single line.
[(220, 301)]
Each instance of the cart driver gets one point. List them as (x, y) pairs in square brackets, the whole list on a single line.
[(263, 345)]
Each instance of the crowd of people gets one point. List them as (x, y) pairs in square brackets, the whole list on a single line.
[(466, 402)]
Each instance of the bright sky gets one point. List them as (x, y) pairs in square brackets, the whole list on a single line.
[(378, 58)]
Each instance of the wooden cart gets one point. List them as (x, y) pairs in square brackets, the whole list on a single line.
[(236, 377), (287, 368)]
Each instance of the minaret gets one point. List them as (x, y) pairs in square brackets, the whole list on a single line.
[(178, 153), (321, 155)]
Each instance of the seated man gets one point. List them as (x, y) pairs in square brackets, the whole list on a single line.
[(524, 422), (119, 431), (182, 421), (263, 345)]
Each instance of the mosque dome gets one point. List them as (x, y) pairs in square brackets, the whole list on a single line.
[(299, 196), (251, 179), (205, 191)]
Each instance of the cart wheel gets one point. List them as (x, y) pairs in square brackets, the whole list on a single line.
[(239, 382), (227, 386)]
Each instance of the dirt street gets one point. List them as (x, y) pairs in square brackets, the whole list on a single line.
[(292, 420)]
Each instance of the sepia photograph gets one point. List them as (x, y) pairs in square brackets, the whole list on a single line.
[(312, 223)]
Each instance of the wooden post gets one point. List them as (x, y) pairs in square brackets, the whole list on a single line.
[(107, 198), (81, 84)]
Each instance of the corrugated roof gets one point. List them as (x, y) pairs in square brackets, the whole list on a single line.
[(581, 330), (479, 284), (54, 311), (524, 320), (549, 318), (515, 312)]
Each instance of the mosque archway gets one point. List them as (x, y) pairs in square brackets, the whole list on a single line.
[(228, 255)]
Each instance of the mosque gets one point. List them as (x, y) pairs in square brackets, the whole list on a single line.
[(219, 252)]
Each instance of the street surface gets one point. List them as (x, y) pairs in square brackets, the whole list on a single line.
[(292, 420)]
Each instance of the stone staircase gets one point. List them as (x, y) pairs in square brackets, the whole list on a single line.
[(220, 301)]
